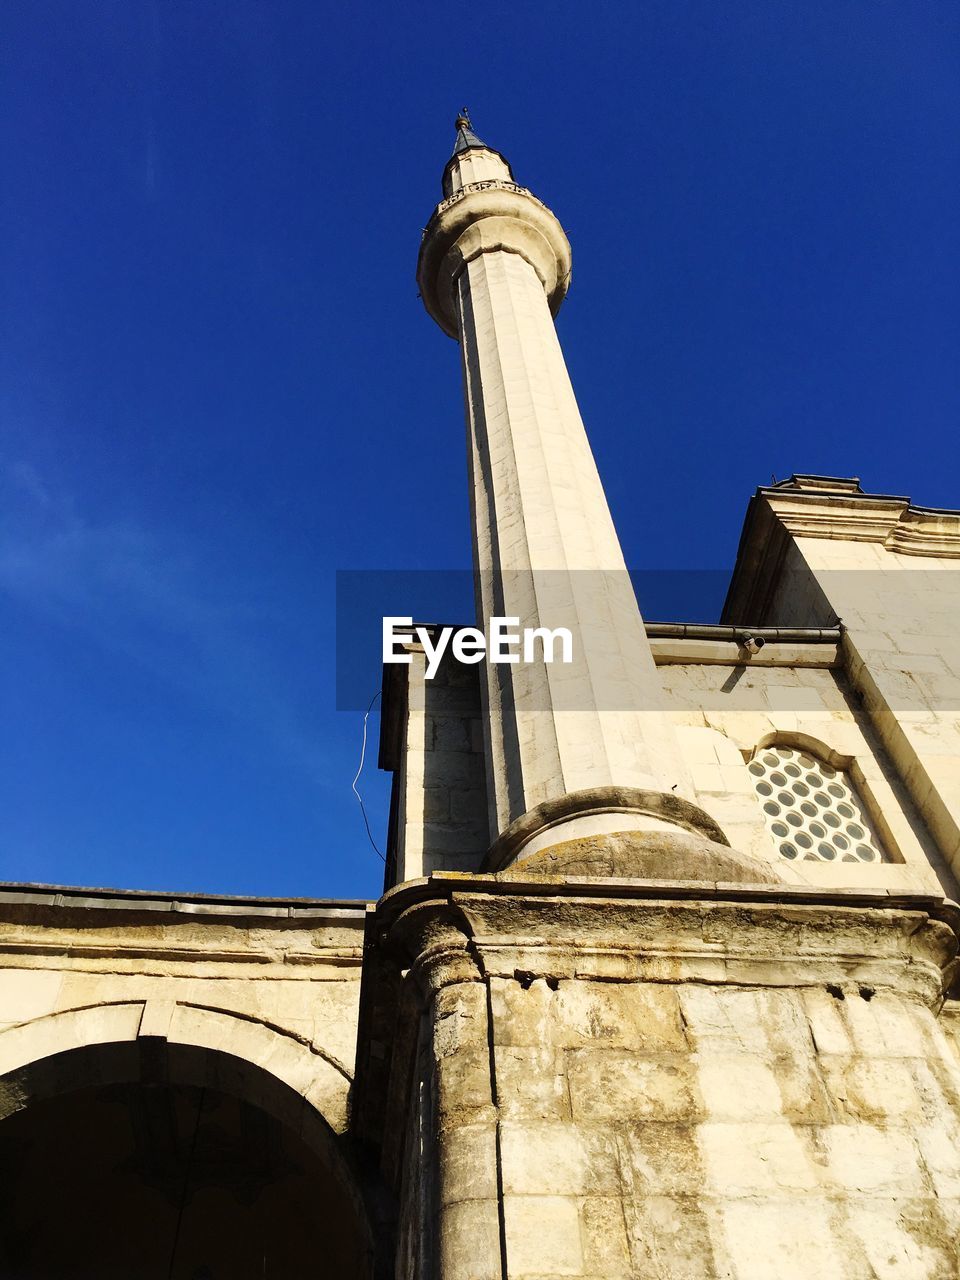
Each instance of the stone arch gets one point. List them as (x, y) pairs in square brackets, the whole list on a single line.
[(805, 742), (839, 760), (161, 1042)]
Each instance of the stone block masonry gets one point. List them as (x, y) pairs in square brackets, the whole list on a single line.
[(634, 1081)]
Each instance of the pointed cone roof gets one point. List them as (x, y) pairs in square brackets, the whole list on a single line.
[(466, 138)]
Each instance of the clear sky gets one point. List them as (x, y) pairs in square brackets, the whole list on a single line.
[(218, 387)]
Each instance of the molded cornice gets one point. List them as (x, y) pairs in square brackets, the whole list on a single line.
[(827, 507)]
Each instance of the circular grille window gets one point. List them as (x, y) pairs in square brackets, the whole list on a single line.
[(812, 810)]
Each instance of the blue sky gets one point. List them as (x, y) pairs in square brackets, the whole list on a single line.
[(217, 386)]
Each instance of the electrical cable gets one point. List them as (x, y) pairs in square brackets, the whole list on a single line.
[(356, 777)]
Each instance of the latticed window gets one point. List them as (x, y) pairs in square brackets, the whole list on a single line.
[(812, 810)]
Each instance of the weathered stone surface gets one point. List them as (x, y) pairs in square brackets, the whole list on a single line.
[(674, 1126), (649, 855), (542, 1234)]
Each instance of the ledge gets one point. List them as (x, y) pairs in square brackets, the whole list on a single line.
[(448, 884), (73, 898)]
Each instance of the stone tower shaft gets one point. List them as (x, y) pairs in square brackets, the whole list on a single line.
[(494, 268)]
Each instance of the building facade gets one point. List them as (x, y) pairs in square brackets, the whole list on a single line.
[(660, 982)]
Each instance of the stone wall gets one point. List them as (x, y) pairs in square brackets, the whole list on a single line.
[(737, 1131), (256, 1000), (440, 817), (630, 1081), (725, 709), (273, 983), (724, 704), (902, 650), (815, 550)]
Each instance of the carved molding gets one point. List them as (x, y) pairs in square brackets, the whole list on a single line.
[(861, 517), (828, 508)]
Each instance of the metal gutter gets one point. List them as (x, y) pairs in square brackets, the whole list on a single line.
[(718, 631)]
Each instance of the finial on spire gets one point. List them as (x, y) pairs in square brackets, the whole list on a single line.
[(466, 138)]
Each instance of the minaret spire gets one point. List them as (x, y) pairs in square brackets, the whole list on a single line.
[(472, 159), (575, 750), (466, 138)]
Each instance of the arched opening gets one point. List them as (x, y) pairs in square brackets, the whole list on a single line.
[(812, 806), (148, 1161)]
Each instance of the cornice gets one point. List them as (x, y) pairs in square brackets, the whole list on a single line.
[(839, 513), (922, 531), (838, 516), (19, 898), (427, 921), (830, 508)]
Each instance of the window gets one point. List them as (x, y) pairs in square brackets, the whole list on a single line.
[(812, 810)]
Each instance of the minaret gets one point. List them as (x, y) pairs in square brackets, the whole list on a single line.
[(572, 750)]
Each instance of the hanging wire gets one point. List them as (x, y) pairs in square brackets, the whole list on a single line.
[(356, 777)]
